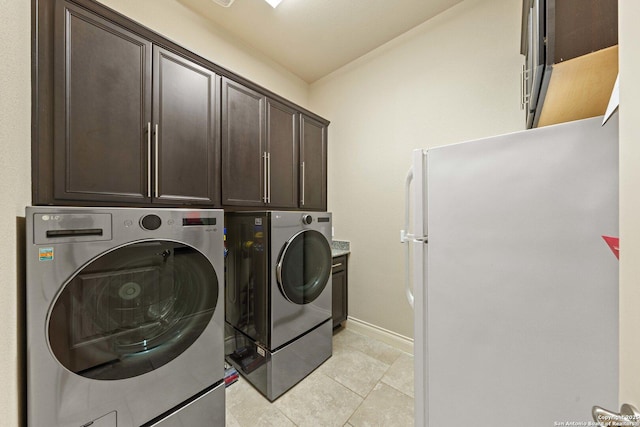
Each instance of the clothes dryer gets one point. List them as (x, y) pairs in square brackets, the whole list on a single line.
[(278, 296), (124, 317)]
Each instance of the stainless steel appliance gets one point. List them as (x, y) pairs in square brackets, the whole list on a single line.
[(278, 296), (515, 290), (124, 317)]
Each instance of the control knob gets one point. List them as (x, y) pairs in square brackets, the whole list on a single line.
[(150, 222)]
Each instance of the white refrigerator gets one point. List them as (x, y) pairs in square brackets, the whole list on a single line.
[(515, 291)]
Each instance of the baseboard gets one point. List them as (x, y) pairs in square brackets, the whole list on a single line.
[(393, 339)]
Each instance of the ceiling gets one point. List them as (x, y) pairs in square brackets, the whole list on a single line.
[(312, 38)]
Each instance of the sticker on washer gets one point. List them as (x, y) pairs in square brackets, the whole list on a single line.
[(258, 221), (45, 254), (260, 351)]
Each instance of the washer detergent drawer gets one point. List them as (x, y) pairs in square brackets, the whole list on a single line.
[(50, 228), (207, 410)]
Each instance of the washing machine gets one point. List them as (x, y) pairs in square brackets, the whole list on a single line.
[(278, 296), (125, 317)]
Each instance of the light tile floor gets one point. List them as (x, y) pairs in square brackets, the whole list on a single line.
[(365, 383)]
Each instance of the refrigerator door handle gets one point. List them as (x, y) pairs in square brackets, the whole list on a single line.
[(407, 271), (406, 237)]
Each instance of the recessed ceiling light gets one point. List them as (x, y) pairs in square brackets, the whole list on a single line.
[(273, 3), (225, 3)]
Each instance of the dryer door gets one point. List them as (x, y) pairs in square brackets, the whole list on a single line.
[(304, 266), (132, 310)]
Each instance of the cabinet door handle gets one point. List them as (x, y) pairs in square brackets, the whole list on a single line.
[(527, 95), (522, 88), (148, 159), (268, 177), (156, 158), (264, 177), (302, 192), (336, 265)]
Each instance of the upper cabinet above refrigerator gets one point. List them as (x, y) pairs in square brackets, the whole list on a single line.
[(533, 48), (570, 50)]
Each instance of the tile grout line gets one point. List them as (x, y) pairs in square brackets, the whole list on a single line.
[(393, 387), (389, 365), (344, 386), (369, 393), (377, 381), (397, 389)]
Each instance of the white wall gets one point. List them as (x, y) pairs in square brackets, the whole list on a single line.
[(629, 15), (178, 23), (15, 189), (453, 78)]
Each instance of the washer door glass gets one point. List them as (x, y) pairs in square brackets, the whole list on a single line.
[(304, 267), (132, 310)]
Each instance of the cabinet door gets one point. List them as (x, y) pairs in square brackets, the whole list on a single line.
[(186, 148), (339, 290), (313, 164), (102, 92), (282, 162), (338, 298), (243, 146), (579, 27)]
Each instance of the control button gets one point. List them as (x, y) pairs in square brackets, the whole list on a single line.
[(307, 219), (150, 222)]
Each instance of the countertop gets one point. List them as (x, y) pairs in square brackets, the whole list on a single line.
[(340, 247)]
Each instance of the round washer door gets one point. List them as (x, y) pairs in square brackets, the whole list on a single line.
[(304, 266), (132, 310)]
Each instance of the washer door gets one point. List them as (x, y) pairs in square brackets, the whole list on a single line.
[(304, 266), (132, 310)]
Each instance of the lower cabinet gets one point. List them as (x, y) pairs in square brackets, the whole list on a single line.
[(339, 291)]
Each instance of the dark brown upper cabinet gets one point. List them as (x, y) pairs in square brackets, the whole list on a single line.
[(259, 149), (243, 145), (186, 139), (134, 123), (313, 164), (102, 95), (282, 155), (124, 117)]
